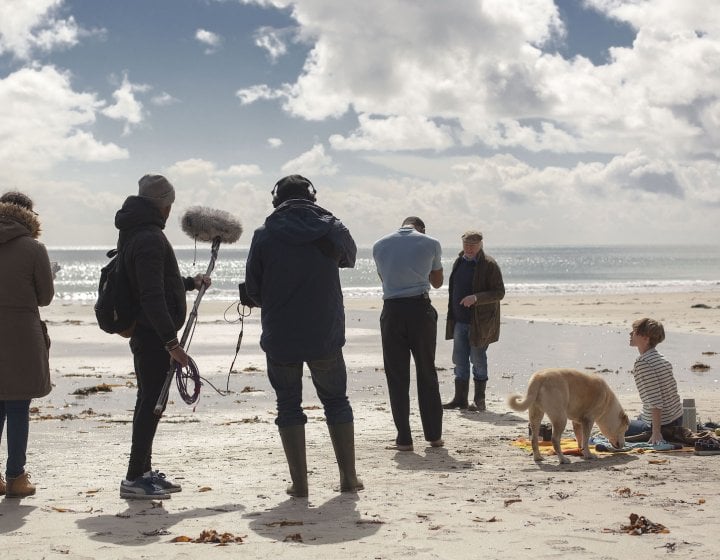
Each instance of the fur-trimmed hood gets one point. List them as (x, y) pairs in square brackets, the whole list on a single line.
[(16, 221)]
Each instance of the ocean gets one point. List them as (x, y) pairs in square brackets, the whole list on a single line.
[(526, 270)]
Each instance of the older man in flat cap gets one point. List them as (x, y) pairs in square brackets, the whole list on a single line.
[(473, 318)]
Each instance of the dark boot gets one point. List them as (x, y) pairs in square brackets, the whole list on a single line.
[(343, 440), (478, 403), (461, 394), (293, 440)]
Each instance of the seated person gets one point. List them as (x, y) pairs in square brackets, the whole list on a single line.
[(655, 382)]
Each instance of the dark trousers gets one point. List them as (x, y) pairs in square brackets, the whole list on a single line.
[(17, 414), (329, 376), (409, 326), (151, 366)]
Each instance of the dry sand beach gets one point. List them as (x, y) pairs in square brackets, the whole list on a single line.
[(479, 496)]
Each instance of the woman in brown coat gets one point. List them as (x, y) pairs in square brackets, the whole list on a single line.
[(26, 282)]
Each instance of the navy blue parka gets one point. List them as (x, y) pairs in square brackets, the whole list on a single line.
[(292, 273)]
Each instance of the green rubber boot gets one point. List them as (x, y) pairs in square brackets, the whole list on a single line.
[(293, 441), (343, 440)]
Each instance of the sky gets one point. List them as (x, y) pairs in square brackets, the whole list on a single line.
[(571, 122)]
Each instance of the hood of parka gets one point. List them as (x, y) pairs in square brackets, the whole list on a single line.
[(16, 221)]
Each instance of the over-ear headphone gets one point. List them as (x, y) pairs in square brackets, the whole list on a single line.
[(293, 186)]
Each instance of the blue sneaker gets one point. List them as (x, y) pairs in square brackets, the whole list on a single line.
[(163, 482), (142, 489)]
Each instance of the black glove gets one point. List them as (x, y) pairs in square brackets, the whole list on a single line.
[(245, 299)]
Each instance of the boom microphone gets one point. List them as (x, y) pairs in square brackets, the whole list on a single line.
[(202, 224), (208, 224)]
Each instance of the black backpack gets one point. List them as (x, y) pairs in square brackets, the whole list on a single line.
[(116, 309)]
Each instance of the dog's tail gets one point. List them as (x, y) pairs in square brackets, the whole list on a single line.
[(515, 402)]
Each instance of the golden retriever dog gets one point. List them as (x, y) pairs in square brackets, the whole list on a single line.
[(583, 398)]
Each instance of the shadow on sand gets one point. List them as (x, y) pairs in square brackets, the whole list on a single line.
[(436, 459), (295, 520), (143, 522), (13, 514)]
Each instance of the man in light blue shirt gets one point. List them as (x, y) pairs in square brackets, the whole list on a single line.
[(409, 263)]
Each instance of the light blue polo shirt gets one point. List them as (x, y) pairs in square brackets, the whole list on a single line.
[(404, 260)]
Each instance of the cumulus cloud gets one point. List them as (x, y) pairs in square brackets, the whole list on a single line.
[(405, 91), (520, 202), (272, 41), (43, 121), (395, 133), (241, 171), (203, 182), (212, 41), (194, 167), (255, 93), (313, 162), (431, 64), (662, 14), (163, 99), (27, 25), (127, 107), (482, 68)]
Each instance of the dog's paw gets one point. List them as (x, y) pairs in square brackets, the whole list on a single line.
[(564, 460), (538, 458), (590, 455)]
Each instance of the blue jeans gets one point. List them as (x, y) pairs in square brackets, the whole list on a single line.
[(18, 427), (465, 354), (638, 426), (330, 379)]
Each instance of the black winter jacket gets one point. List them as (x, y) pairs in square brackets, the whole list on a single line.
[(292, 274), (152, 268)]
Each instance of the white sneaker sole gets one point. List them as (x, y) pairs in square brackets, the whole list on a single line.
[(134, 496)]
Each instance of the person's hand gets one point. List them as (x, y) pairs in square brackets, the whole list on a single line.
[(469, 301), (178, 354), (201, 279), (656, 438)]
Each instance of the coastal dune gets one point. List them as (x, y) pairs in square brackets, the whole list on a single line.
[(480, 495)]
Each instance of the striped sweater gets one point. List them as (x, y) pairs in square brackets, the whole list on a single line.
[(657, 387)]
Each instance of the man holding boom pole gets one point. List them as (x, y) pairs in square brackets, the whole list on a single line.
[(155, 281)]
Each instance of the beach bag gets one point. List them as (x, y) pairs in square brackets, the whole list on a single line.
[(116, 309)]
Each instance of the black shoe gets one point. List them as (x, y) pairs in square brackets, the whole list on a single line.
[(460, 400)]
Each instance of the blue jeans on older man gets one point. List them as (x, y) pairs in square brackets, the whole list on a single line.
[(465, 354), (329, 376), (18, 427)]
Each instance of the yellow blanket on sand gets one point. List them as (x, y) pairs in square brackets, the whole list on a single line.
[(570, 447)]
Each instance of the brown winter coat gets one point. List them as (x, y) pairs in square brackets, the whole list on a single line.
[(26, 282), (489, 288)]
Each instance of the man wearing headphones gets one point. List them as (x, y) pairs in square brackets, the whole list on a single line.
[(292, 275)]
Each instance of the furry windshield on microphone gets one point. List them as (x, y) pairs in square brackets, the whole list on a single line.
[(206, 224)]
